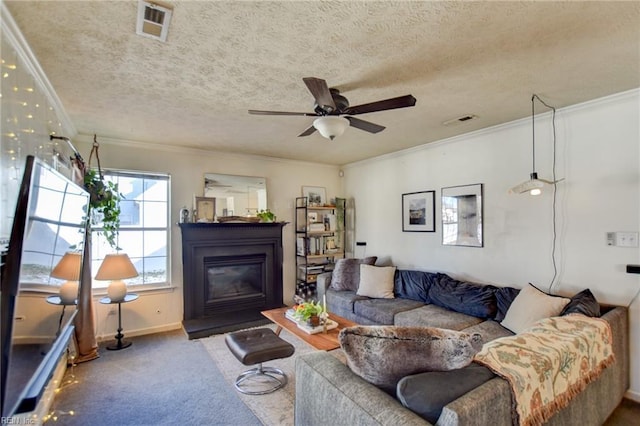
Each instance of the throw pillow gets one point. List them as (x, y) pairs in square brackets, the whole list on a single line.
[(583, 303), (346, 274), (376, 281), (531, 305), (427, 393), (382, 355), (504, 299)]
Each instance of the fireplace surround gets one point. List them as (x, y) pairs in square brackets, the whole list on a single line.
[(231, 272)]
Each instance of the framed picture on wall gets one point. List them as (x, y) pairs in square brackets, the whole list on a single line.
[(462, 216), (316, 195), (419, 211)]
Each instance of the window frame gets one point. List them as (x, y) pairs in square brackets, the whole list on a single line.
[(101, 286)]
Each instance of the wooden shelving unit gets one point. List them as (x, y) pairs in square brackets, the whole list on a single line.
[(320, 235)]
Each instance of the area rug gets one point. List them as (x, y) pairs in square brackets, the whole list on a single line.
[(272, 409)]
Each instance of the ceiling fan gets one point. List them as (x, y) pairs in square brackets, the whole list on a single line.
[(331, 106)]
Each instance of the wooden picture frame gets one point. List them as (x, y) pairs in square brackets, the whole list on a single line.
[(205, 209), (419, 211), (462, 216)]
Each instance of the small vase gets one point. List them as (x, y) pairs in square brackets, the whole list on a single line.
[(314, 321)]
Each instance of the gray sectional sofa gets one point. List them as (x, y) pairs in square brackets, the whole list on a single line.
[(341, 397)]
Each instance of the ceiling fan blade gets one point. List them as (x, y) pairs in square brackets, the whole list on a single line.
[(320, 91), (257, 112), (393, 103), (367, 126), (307, 132)]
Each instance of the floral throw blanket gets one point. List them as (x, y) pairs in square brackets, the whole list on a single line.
[(550, 363)]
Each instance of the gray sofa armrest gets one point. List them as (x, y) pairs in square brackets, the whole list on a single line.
[(329, 393), (322, 284), (488, 404)]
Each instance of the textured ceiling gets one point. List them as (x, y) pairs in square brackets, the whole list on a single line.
[(223, 58)]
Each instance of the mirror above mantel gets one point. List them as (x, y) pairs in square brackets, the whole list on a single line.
[(236, 195)]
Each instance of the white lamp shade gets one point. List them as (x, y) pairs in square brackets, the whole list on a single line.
[(331, 126), (69, 267), (116, 267)]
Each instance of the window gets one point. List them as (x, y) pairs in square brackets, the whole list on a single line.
[(144, 228)]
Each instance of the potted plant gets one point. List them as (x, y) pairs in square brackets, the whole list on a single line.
[(266, 216), (104, 204), (309, 312)]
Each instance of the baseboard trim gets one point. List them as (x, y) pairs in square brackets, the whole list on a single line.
[(141, 331), (632, 395)]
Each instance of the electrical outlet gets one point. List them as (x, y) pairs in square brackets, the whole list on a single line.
[(627, 239)]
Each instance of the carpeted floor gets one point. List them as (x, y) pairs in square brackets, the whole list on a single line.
[(162, 379)]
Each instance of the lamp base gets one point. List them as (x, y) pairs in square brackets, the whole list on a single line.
[(69, 292), (117, 290)]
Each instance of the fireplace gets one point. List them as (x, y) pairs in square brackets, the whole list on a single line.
[(231, 272)]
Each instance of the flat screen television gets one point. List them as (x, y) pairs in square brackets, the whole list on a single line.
[(50, 220)]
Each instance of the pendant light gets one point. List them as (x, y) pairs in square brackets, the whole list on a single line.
[(534, 185)]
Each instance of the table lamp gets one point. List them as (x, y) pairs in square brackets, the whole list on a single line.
[(68, 269), (116, 267)]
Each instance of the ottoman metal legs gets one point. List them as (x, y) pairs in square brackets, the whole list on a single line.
[(253, 347)]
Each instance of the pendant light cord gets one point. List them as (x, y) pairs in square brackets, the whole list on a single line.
[(553, 174)]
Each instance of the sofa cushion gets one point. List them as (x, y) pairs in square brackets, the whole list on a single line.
[(346, 273), (341, 303), (504, 299), (413, 285), (376, 281), (469, 298), (382, 355), (489, 330), (382, 311), (583, 303), (435, 316), (531, 305), (427, 393)]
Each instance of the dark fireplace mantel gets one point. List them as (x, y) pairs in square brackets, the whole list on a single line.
[(231, 272)]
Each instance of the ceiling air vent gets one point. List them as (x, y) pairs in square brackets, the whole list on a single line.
[(153, 20), (459, 120)]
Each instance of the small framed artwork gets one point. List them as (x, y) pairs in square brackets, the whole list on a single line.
[(316, 195), (419, 211), (312, 217), (205, 209), (462, 216)]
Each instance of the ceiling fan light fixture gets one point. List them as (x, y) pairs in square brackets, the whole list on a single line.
[(331, 126)]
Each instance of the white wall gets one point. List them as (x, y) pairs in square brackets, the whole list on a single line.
[(161, 310), (598, 152)]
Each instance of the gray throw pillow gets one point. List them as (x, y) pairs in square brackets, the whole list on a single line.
[(346, 274), (427, 393), (382, 355), (583, 303)]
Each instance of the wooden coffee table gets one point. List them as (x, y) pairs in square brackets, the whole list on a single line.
[(324, 341)]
